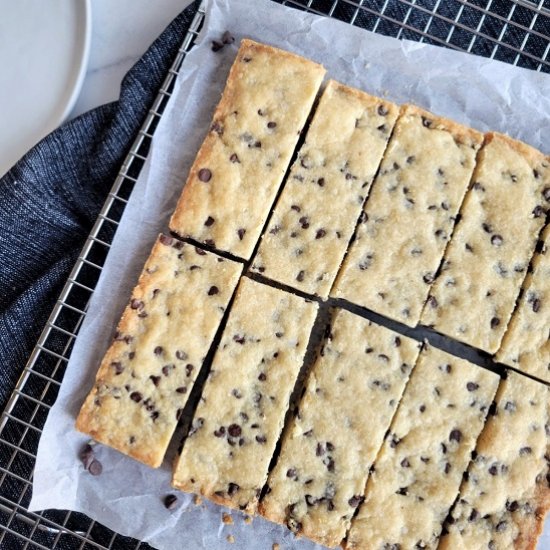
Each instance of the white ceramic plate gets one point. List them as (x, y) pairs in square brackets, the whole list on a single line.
[(44, 48)]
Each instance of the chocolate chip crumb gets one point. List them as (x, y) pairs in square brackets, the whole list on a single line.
[(170, 502), (95, 468)]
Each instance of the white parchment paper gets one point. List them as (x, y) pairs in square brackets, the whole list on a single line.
[(483, 93)]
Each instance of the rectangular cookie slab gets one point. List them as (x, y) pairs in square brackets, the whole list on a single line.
[(487, 258), (161, 341), (409, 216), (316, 213), (241, 412), (526, 345), (418, 471), (242, 161), (351, 396), (505, 495)]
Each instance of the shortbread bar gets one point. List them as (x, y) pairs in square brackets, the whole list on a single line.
[(243, 159), (487, 259), (165, 332), (505, 495)]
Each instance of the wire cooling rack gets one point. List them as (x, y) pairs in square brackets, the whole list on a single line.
[(515, 31)]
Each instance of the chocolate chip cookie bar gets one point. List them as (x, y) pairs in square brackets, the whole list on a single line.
[(165, 332), (505, 495), (526, 345), (350, 398), (409, 216), (316, 214), (417, 474), (242, 161), (242, 409), (487, 259)]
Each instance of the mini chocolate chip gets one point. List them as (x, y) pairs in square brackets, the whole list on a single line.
[(118, 367), (170, 502), (455, 435), (402, 491), (158, 350), (426, 122), (546, 193), (356, 500), (181, 389), (525, 451), (236, 393), (382, 110), (536, 305), (321, 182), (300, 276), (493, 470), (495, 321), (497, 240), (422, 408), (501, 526), (292, 474), (136, 304), (538, 211), (486, 227), (512, 506), (405, 463), (217, 127), (240, 233), (220, 432), (234, 430), (239, 339), (216, 46), (232, 488), (432, 300), (95, 468), (262, 377), (181, 355), (209, 221), (510, 406), (136, 396), (261, 438), (304, 222), (320, 233), (296, 208), (155, 379), (271, 125), (428, 278), (234, 158), (205, 174), (472, 386), (397, 341), (213, 290)]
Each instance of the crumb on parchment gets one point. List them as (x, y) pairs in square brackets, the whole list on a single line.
[(230, 539), (248, 519), (227, 519)]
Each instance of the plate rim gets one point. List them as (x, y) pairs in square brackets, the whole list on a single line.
[(86, 7)]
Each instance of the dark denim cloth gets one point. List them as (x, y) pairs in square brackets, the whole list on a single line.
[(49, 201)]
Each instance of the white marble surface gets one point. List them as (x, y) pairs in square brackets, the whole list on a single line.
[(122, 30)]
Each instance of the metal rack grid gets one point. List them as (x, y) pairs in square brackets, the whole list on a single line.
[(516, 31)]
